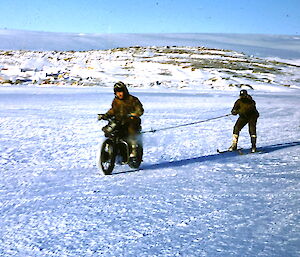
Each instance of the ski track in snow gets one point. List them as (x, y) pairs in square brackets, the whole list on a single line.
[(186, 200)]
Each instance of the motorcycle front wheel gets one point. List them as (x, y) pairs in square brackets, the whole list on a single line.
[(107, 157)]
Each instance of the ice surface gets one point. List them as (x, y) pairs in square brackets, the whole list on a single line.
[(186, 200)]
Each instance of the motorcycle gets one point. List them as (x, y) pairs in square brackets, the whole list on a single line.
[(116, 148)]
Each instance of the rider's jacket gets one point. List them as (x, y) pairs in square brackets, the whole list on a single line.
[(122, 109)]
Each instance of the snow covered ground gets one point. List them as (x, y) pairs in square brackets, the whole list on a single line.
[(261, 45), (186, 200)]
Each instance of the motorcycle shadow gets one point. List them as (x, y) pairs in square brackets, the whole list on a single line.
[(211, 157)]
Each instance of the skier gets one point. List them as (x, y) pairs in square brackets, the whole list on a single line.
[(245, 107), (127, 110)]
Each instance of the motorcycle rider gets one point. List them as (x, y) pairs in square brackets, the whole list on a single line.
[(127, 110), (245, 107)]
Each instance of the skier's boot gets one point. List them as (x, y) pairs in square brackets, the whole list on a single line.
[(235, 139), (253, 143)]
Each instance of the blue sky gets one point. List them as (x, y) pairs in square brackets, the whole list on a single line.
[(153, 16)]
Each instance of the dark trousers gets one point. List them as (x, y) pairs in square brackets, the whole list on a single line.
[(241, 122)]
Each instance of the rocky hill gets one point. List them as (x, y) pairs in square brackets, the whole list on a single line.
[(148, 67)]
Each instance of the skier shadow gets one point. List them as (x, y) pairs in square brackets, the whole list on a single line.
[(212, 157)]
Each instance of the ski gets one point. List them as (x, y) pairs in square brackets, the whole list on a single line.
[(239, 151), (227, 151), (250, 152)]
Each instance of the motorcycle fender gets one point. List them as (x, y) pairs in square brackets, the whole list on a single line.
[(122, 144)]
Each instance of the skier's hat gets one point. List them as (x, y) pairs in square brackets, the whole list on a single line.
[(243, 92)]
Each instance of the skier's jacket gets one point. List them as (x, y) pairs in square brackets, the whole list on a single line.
[(245, 107), (123, 108)]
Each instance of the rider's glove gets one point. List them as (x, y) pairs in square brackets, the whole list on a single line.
[(131, 116), (102, 116)]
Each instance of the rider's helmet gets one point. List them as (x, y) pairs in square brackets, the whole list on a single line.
[(121, 87)]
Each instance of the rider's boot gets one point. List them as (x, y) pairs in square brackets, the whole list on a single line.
[(233, 146), (133, 151)]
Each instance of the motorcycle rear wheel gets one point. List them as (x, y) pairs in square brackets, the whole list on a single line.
[(136, 161)]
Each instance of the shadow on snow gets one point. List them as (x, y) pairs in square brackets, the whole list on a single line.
[(212, 157)]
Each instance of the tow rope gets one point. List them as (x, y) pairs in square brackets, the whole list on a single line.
[(186, 124)]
